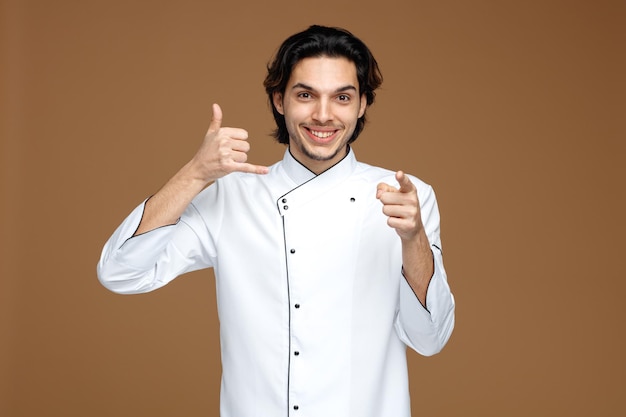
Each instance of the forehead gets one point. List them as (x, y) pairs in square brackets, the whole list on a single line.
[(324, 72)]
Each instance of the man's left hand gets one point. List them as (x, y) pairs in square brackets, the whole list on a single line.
[(401, 206)]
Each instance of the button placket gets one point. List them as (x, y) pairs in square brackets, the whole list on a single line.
[(296, 351), (298, 207), (294, 282)]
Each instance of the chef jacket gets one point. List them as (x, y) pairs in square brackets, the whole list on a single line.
[(315, 314)]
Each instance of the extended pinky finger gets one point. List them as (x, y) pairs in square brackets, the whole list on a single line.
[(253, 169)]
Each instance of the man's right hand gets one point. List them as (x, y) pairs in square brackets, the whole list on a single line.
[(224, 150)]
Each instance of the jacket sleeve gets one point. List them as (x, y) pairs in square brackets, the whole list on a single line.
[(427, 329), (138, 264)]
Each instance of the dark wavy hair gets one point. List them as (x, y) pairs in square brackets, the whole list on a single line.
[(319, 41)]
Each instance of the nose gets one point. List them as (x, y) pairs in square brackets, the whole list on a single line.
[(322, 112)]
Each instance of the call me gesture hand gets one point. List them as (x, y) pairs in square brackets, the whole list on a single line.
[(402, 208), (223, 151)]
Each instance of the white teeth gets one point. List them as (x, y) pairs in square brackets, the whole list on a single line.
[(321, 135)]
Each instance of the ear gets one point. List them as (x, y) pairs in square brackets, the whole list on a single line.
[(277, 99), (363, 105)]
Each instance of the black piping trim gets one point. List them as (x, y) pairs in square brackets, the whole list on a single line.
[(427, 287), (148, 231), (330, 167), (289, 313)]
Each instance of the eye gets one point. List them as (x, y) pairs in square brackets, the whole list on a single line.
[(343, 97), (304, 95)]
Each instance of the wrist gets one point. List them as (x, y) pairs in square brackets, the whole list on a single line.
[(191, 176)]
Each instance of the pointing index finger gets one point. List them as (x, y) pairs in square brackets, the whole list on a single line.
[(406, 186)]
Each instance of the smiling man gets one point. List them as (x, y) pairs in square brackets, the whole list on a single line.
[(326, 268), (323, 104)]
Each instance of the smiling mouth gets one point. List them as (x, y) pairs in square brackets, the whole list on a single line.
[(322, 135)]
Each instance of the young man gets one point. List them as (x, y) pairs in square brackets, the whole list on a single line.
[(326, 268)]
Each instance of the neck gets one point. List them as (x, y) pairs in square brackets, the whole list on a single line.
[(317, 166)]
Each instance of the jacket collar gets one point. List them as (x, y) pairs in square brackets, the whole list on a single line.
[(300, 174), (307, 186)]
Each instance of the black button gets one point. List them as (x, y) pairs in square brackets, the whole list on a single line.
[(352, 199), (295, 407), (296, 353), (284, 200), (286, 207), (293, 251), (297, 306)]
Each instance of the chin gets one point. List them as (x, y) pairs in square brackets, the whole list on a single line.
[(325, 155)]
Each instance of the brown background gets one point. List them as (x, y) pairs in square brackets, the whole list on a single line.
[(513, 111)]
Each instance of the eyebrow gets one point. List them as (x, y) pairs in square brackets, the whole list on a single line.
[(339, 90)]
